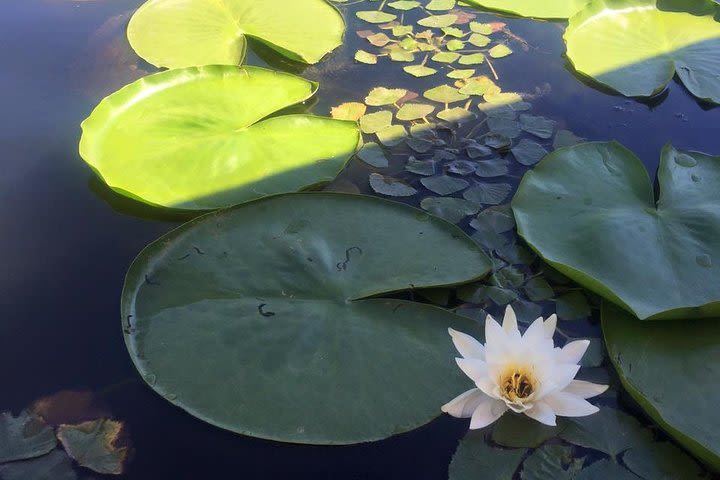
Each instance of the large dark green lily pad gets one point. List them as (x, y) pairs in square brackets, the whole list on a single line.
[(198, 138), (671, 369), (590, 211), (258, 319), (186, 33), (534, 8), (636, 46)]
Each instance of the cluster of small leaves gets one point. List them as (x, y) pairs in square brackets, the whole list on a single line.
[(446, 38), (609, 444), (30, 448)]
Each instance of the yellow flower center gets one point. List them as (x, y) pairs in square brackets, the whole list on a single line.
[(517, 385)]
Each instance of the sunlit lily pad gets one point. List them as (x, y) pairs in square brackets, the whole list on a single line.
[(534, 8), (670, 368), (445, 94), (185, 33), (657, 259), (258, 318), (375, 16), (636, 48), (414, 111), (438, 21), (195, 138), (420, 70), (380, 96)]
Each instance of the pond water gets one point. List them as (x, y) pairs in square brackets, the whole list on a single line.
[(68, 240)]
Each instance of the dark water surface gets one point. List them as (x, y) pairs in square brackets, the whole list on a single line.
[(67, 241)]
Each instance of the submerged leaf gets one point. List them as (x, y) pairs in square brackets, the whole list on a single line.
[(25, 436), (95, 445)]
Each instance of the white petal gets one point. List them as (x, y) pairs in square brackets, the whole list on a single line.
[(486, 413), (549, 326), (534, 336), (494, 333), (568, 405), (585, 389), (488, 386), (467, 345), (474, 368), (510, 323), (563, 374), (464, 404), (573, 351), (542, 413)]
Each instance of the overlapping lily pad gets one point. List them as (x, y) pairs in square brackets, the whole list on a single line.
[(533, 8), (590, 211), (198, 138), (258, 319), (670, 368), (636, 47), (185, 33)]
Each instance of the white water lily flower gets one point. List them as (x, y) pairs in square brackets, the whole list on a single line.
[(522, 373)]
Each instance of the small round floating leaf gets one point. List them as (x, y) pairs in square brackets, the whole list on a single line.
[(440, 5), (539, 126), (479, 40), (497, 141), (366, 57), (348, 111), (500, 51), (520, 431), (54, 466), (375, 16), (384, 96), (378, 39), (566, 138), (374, 122), (438, 21), (494, 167), (258, 319), (504, 126), (390, 186), (481, 28), (392, 136), (451, 209), (503, 98), (420, 167), (683, 40), (444, 184), (603, 470), (461, 167), (399, 54), (533, 8), (461, 74), (456, 115), (95, 445), (472, 59), (549, 462), (198, 138), (572, 306), (420, 70), (185, 33), (477, 86), (414, 111), (445, 94), (372, 154), (453, 45), (475, 459), (488, 193), (668, 368), (404, 4), (656, 259), (453, 32), (400, 30), (528, 152), (445, 57)]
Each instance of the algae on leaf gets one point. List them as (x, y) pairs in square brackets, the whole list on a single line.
[(186, 33)]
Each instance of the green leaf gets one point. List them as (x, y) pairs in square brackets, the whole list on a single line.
[(390, 186), (198, 138), (404, 4), (456, 114), (461, 74), (662, 461), (605, 469), (258, 318), (440, 5), (348, 111), (444, 184), (186, 33), (453, 32), (534, 8), (372, 154), (572, 306), (25, 436), (366, 57), (453, 45), (414, 111), (494, 167), (54, 466), (420, 70), (474, 459), (449, 208), (438, 21), (683, 40), (549, 462), (488, 193), (657, 259), (445, 57), (538, 289), (94, 445), (668, 369), (472, 59), (375, 16), (399, 54), (392, 136), (384, 96), (445, 94), (505, 127), (500, 51), (610, 431), (517, 430), (374, 122), (538, 126), (528, 152), (481, 28), (479, 40)]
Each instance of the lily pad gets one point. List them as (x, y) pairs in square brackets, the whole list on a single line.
[(682, 40), (445, 94), (390, 186), (372, 154), (533, 8), (475, 459), (449, 208), (438, 21), (195, 138), (419, 70), (404, 4), (374, 122), (375, 16), (500, 51), (380, 96), (444, 184), (414, 111), (528, 152), (456, 114), (656, 259), (56, 465), (185, 33), (25, 436), (366, 57), (258, 319), (348, 111), (666, 367)]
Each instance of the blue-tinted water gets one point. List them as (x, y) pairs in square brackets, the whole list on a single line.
[(67, 241)]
